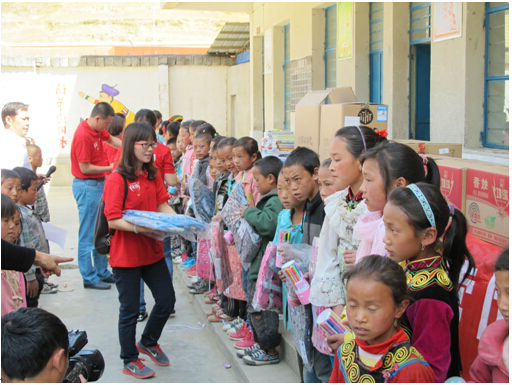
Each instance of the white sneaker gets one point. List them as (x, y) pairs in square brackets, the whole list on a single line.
[(233, 326), (48, 290), (177, 260), (195, 279)]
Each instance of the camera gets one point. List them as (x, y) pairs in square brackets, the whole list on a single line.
[(88, 363)]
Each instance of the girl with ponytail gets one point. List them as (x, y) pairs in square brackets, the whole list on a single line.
[(429, 235)]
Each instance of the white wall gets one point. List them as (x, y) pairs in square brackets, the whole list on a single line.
[(239, 88)]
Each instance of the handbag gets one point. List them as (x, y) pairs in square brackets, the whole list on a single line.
[(102, 233)]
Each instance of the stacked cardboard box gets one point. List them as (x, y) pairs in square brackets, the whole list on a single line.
[(453, 150)]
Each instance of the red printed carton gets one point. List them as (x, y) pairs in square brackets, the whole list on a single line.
[(487, 202), (453, 180)]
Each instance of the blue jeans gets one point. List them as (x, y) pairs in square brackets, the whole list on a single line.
[(168, 261), (128, 281), (87, 194)]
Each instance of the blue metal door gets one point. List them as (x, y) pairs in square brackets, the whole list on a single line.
[(422, 63)]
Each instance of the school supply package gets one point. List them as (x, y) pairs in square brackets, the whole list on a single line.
[(247, 239), (296, 263), (269, 293), (203, 200)]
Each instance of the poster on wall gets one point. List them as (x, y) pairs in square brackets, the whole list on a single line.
[(447, 20), (345, 25), (268, 52)]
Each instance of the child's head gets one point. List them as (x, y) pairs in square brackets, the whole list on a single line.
[(158, 115), (172, 130), (219, 167), (215, 143), (29, 180), (206, 128), (185, 133), (17, 223), (175, 152), (11, 184), (416, 217), (301, 173), (202, 145), (212, 167), (116, 126), (283, 192), (8, 221), (389, 165), (377, 295), (265, 173), (325, 180), (245, 152), (225, 154), (35, 155), (180, 144), (501, 274), (345, 150), (193, 128)]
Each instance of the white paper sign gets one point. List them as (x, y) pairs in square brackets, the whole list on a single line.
[(352, 121), (55, 234)]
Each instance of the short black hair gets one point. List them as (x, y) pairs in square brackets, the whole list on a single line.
[(8, 174), (501, 263), (216, 142), (30, 336), (173, 128), (121, 115), (26, 177), (11, 109), (116, 126), (229, 141), (304, 157), (269, 165), (207, 128), (172, 140), (31, 149), (203, 135), (186, 124), (8, 207), (194, 124), (103, 110), (146, 116), (158, 114)]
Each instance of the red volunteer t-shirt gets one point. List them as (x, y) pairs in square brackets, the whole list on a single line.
[(110, 153), (128, 249), (162, 160), (87, 147)]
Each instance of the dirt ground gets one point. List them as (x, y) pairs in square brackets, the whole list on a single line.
[(109, 22)]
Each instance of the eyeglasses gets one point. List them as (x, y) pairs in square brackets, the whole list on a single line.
[(145, 146)]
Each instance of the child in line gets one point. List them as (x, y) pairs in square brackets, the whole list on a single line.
[(338, 241), (326, 184), (32, 233), (263, 218), (13, 293), (35, 156), (202, 143), (11, 184), (377, 297), (492, 362), (416, 219), (172, 130), (245, 153), (385, 167), (301, 174)]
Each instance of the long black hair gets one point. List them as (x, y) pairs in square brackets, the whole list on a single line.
[(353, 136), (455, 251)]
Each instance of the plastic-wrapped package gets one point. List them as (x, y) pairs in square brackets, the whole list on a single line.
[(300, 254), (205, 259), (203, 200), (183, 225), (235, 290), (301, 319), (247, 239), (268, 294), (222, 271)]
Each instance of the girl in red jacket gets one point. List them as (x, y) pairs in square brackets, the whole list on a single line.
[(377, 297), (491, 364)]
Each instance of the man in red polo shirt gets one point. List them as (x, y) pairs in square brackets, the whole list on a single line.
[(89, 165)]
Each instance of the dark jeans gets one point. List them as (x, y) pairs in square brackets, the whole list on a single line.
[(158, 279), (264, 324), (34, 302)]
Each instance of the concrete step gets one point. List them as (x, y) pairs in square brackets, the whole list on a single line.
[(286, 371)]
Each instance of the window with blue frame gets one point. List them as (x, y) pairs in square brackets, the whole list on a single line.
[(376, 50), (496, 106), (330, 46), (419, 23), (287, 78)]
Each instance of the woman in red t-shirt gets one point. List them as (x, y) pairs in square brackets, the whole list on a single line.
[(134, 255)]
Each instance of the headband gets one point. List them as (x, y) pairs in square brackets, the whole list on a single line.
[(452, 209), (362, 137), (424, 203)]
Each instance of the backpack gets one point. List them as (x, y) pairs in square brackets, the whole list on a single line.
[(102, 233)]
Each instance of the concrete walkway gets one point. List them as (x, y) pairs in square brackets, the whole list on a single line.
[(194, 354)]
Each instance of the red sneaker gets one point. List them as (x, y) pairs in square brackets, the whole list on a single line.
[(247, 341), (240, 334), (192, 272), (219, 316), (212, 291), (211, 299), (215, 309)]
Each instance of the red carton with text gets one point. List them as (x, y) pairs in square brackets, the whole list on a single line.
[(453, 180), (487, 202)]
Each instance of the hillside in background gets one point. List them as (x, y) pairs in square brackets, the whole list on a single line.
[(108, 22)]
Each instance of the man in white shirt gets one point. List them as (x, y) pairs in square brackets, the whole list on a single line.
[(13, 146)]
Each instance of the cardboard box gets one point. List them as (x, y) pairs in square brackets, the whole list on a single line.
[(307, 119), (453, 174), (345, 111), (433, 148), (487, 202)]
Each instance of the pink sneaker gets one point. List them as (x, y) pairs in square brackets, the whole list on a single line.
[(215, 309), (240, 334), (212, 291), (247, 342)]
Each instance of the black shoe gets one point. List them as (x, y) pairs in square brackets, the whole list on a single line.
[(173, 313), (200, 288), (142, 316), (109, 279), (97, 286)]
